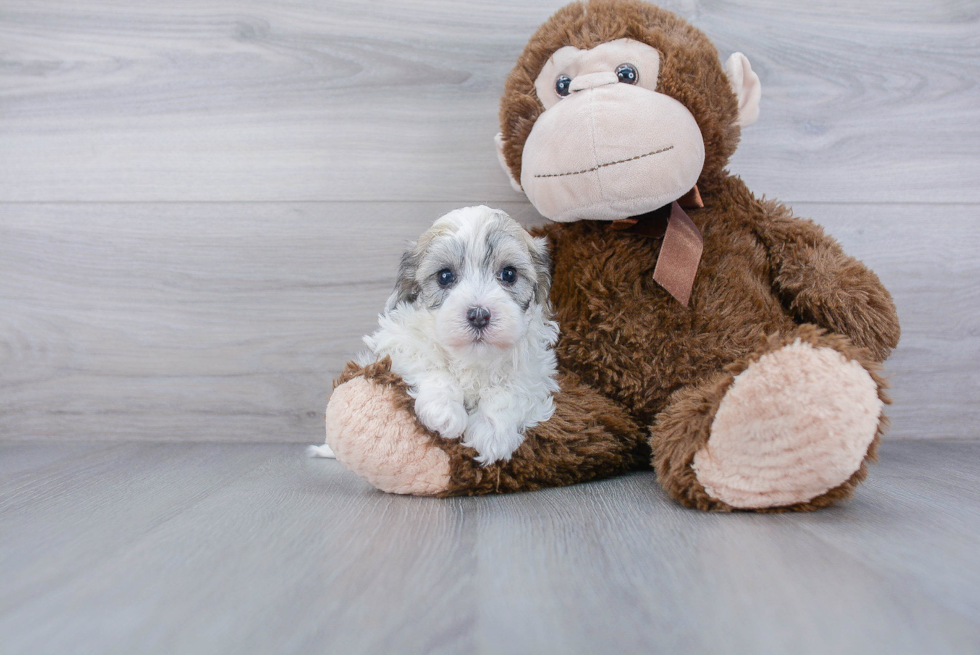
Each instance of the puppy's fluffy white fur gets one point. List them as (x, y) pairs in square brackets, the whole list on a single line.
[(484, 383)]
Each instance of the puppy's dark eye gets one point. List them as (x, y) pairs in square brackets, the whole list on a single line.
[(627, 73), (445, 277), (508, 275), (563, 85)]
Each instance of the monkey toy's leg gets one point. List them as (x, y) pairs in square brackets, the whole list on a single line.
[(372, 429), (790, 426)]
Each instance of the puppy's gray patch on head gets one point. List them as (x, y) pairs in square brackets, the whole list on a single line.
[(443, 250), (505, 243), (496, 233), (406, 287), (538, 248)]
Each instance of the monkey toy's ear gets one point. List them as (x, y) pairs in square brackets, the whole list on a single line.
[(499, 140), (747, 87)]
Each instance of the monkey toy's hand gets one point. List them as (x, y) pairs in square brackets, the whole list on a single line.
[(821, 284)]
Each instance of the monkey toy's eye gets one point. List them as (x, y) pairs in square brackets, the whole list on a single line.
[(627, 73), (563, 85), (508, 275), (445, 277)]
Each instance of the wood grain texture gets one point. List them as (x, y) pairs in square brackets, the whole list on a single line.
[(227, 322), (220, 548), (244, 100), (201, 322), (925, 256)]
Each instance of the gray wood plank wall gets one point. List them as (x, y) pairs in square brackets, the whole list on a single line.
[(202, 203)]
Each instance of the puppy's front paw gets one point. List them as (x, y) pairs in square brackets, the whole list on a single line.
[(441, 413), (491, 440)]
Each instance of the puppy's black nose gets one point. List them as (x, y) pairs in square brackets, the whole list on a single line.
[(478, 317)]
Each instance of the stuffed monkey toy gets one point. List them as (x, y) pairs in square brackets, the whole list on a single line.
[(704, 332)]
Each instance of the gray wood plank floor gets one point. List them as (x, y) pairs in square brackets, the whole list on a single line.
[(221, 548)]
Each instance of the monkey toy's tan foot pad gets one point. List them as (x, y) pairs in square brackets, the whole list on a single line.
[(796, 423), (373, 432)]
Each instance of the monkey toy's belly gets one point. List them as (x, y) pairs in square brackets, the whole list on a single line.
[(627, 337)]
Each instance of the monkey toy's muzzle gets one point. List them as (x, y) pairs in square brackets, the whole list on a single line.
[(610, 151)]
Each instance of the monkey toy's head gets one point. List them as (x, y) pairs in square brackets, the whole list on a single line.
[(617, 108)]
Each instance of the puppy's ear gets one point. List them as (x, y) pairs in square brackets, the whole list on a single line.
[(406, 288), (538, 247)]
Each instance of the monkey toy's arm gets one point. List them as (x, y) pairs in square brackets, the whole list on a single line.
[(373, 430), (819, 283)]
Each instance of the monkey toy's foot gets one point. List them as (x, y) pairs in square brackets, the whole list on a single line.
[(790, 427), (372, 429)]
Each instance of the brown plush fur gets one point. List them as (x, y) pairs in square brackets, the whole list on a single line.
[(626, 336), (670, 365), (573, 446), (630, 354)]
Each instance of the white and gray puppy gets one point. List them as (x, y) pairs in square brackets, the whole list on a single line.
[(469, 329)]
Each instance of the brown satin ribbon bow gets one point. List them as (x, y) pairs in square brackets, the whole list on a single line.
[(680, 253)]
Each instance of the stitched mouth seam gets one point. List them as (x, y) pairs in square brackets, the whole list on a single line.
[(609, 163)]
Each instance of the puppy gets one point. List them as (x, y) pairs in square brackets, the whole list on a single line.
[(469, 329)]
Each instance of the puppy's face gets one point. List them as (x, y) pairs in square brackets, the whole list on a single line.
[(480, 273)]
